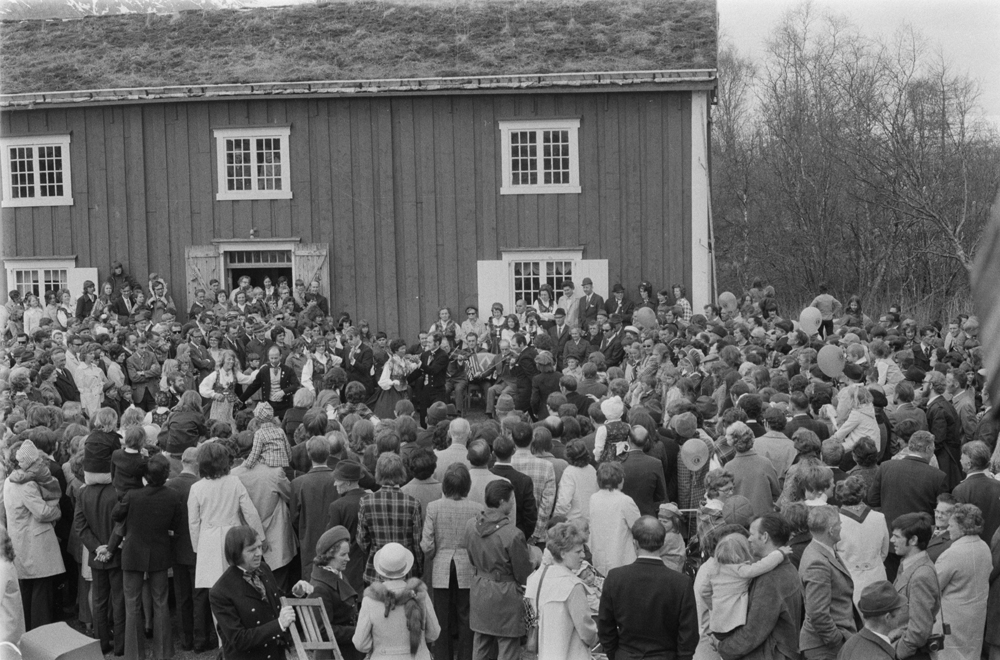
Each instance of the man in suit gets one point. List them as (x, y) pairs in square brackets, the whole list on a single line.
[(64, 384), (644, 480), (906, 409), (124, 305), (197, 629), (196, 353), (830, 618), (619, 304), (944, 424), (312, 494), (526, 517), (428, 380), (798, 404), (923, 352), (916, 582), (144, 374), (611, 344), (150, 515), (882, 610), (359, 360), (774, 611), (92, 523), (276, 382), (233, 342), (910, 484), (259, 342), (590, 304), (647, 610), (560, 335), (523, 370), (979, 487), (246, 602), (344, 511)]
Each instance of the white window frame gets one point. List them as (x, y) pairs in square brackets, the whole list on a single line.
[(36, 142), (39, 266), (253, 134), (507, 187), (542, 257)]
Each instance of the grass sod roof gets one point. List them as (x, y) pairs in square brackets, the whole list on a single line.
[(357, 41)]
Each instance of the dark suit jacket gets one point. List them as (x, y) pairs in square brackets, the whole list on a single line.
[(647, 610), (983, 491), (84, 306), (183, 552), (312, 494), (560, 338), (92, 521), (66, 386), (774, 617), (119, 308), (201, 360), (589, 309), (625, 309), (360, 368), (262, 382), (149, 513), (236, 346), (344, 511), (944, 424), (938, 544), (830, 617), (821, 430), (866, 645), (909, 485), (524, 497), (581, 402), (432, 373), (920, 359), (614, 352), (248, 624), (644, 481)]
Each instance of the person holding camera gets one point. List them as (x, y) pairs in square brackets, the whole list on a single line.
[(917, 582)]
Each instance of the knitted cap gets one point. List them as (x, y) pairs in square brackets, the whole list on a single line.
[(263, 411), (26, 454), (504, 405)]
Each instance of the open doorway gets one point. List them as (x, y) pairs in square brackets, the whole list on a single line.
[(258, 275)]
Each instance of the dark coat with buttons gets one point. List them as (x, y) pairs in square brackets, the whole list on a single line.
[(149, 513), (248, 624)]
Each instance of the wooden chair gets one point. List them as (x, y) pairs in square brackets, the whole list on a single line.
[(311, 637)]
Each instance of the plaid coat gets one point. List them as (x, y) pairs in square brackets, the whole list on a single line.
[(390, 516)]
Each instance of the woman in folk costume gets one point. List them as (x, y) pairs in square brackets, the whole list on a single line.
[(392, 383), (220, 387)]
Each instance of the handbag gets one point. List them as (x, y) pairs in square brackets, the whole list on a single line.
[(531, 617)]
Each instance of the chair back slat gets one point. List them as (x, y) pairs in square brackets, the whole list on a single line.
[(306, 621)]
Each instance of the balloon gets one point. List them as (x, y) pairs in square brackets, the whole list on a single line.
[(645, 318), (694, 454), (831, 360), (728, 301), (810, 320)]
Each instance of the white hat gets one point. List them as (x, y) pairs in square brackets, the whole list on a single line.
[(393, 561)]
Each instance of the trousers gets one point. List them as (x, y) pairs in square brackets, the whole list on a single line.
[(135, 637)]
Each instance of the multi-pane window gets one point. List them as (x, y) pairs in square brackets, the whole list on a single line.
[(36, 171), (40, 280), (540, 156), (253, 163), (528, 277)]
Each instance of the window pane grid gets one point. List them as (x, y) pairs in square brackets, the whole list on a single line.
[(50, 171), (524, 158), (238, 161), (54, 280), (555, 157), (22, 172), (269, 163), (530, 275), (26, 281)]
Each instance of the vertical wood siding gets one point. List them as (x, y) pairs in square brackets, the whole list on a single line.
[(404, 190)]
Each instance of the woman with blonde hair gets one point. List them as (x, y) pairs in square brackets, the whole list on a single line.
[(220, 387)]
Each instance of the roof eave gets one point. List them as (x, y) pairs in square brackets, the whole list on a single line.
[(679, 80)]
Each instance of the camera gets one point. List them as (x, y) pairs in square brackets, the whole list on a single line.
[(936, 642)]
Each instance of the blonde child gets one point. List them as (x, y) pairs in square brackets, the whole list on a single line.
[(673, 552), (730, 583), (32, 466), (614, 432)]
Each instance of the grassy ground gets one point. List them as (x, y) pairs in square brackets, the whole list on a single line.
[(357, 40)]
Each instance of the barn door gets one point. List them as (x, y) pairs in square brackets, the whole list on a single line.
[(312, 262), (201, 264)]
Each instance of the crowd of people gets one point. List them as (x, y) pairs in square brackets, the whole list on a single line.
[(630, 477)]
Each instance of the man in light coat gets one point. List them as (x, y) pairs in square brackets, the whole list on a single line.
[(916, 582)]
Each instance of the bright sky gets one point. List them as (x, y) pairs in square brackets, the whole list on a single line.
[(967, 31)]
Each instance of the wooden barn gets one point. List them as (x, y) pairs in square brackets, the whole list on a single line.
[(409, 156)]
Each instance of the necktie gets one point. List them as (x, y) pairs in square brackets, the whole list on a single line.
[(253, 579)]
